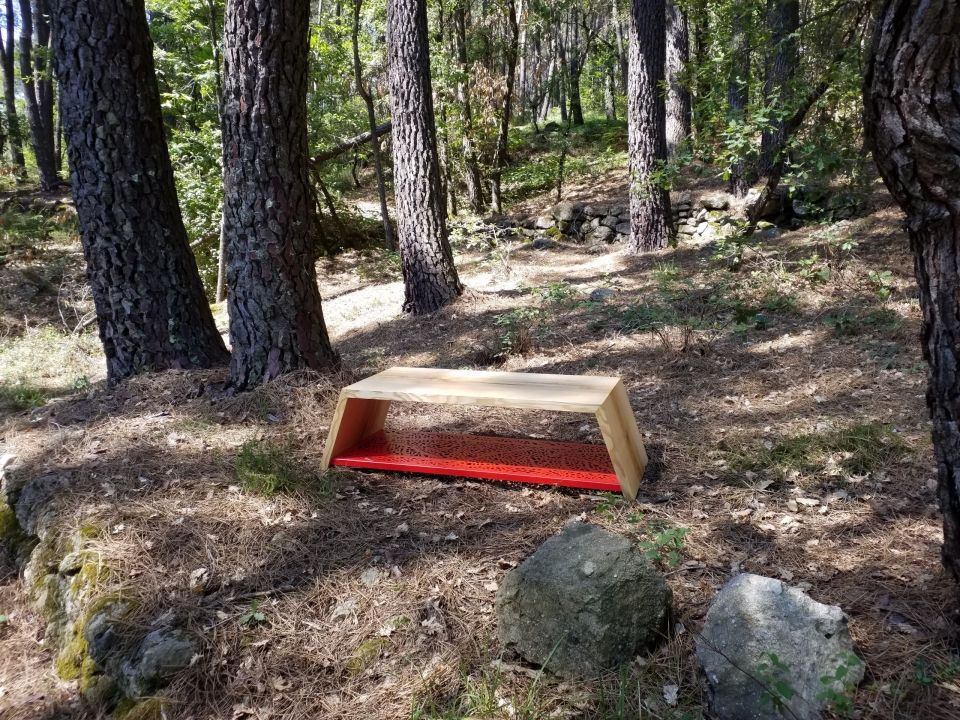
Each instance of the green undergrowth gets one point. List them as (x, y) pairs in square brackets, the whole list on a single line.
[(266, 468), (856, 449)]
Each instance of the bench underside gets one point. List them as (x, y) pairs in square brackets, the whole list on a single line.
[(524, 460)]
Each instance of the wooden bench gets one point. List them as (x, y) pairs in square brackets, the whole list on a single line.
[(357, 438)]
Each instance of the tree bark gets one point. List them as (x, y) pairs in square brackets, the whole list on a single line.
[(678, 94), (738, 94), (220, 293), (913, 126), (276, 318), (38, 89), (646, 123), (783, 21), (575, 70), (430, 279), (471, 163), (149, 300), (10, 92), (372, 121), (500, 158)]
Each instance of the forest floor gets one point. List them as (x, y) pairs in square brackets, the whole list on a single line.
[(782, 406)]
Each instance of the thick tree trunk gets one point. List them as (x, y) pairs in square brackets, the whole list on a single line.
[(783, 21), (678, 94), (430, 279), (276, 319), (913, 125), (10, 92), (38, 89), (372, 122), (150, 304), (646, 122), (500, 158), (472, 176), (738, 94), (575, 69)]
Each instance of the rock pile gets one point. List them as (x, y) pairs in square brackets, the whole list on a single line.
[(706, 220), (594, 224)]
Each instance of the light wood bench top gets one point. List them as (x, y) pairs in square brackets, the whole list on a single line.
[(569, 393)]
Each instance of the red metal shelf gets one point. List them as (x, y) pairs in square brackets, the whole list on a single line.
[(482, 456)]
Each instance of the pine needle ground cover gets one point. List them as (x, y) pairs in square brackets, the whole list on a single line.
[(784, 414)]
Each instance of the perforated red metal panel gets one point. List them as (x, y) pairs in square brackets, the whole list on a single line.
[(482, 456)]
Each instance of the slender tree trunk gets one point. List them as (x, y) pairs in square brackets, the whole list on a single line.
[(575, 71), (698, 90), (276, 318), (678, 94), (430, 279), (783, 21), (913, 125), (37, 90), (150, 304), (500, 158), (372, 121), (610, 93), (738, 94), (10, 93), (646, 122), (472, 176), (220, 294)]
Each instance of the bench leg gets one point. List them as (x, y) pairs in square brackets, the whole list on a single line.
[(353, 420), (623, 441)]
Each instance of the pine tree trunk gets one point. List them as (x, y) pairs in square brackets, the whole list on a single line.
[(738, 94), (472, 176), (389, 241), (646, 122), (678, 95), (430, 279), (10, 92), (150, 304), (276, 319), (783, 21), (38, 89), (500, 157), (913, 126)]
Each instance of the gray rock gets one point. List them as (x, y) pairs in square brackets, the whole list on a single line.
[(618, 210), (623, 228), (684, 198), (564, 211), (564, 225), (760, 634), (594, 223), (601, 294), (162, 653), (584, 602), (610, 221), (542, 243), (601, 234), (714, 202), (544, 222)]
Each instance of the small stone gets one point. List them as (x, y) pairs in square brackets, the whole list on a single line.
[(601, 234), (623, 228), (544, 222), (601, 294), (714, 202), (542, 243), (564, 211), (618, 210), (610, 221)]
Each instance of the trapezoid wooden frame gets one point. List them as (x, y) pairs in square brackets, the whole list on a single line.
[(363, 406)]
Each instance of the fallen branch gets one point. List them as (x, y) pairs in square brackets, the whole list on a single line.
[(351, 143)]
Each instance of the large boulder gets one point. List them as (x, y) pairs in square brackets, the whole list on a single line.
[(772, 651), (586, 601)]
